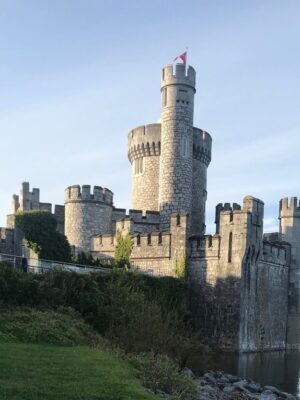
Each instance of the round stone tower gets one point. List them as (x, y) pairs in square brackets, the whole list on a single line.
[(87, 214), (176, 161), (143, 154), (201, 158)]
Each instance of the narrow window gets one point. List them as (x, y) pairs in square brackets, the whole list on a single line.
[(149, 239), (100, 240), (138, 240), (138, 166), (159, 238), (184, 146), (165, 97), (230, 247), (178, 219)]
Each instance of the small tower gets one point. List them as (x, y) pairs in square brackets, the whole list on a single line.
[(87, 214), (176, 161), (143, 154), (289, 217)]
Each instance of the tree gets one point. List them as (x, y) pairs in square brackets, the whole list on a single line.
[(39, 229), (123, 250)]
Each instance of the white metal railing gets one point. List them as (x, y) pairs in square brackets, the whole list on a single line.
[(40, 266)]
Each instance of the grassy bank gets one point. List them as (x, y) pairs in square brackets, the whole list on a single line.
[(141, 318), (39, 371)]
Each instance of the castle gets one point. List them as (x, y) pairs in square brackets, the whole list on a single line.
[(244, 286)]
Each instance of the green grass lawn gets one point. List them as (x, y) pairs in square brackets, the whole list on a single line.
[(44, 372)]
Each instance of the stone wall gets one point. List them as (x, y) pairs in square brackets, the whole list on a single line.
[(59, 214), (264, 298), (87, 214), (157, 253), (289, 216), (238, 282), (7, 243)]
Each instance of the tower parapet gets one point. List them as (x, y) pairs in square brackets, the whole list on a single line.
[(289, 207), (144, 141), (77, 193), (178, 76), (86, 214), (202, 146)]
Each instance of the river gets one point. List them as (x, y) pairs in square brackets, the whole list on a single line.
[(280, 369)]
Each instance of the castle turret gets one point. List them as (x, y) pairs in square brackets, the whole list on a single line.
[(87, 214), (176, 161), (143, 154), (289, 217), (201, 159)]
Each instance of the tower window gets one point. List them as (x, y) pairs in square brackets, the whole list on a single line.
[(138, 166), (230, 247), (165, 96), (159, 238), (184, 147), (183, 95)]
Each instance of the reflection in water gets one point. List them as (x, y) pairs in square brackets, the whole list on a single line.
[(280, 368)]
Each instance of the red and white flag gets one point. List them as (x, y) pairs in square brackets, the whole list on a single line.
[(182, 57)]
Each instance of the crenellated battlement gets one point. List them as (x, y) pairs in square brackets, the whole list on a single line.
[(289, 207), (204, 246), (144, 141), (202, 146), (77, 193), (229, 209), (178, 75), (275, 253), (138, 216)]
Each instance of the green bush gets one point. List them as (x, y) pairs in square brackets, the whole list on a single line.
[(180, 270), (136, 312), (39, 229), (123, 249), (159, 373), (64, 328)]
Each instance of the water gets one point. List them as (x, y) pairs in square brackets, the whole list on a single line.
[(280, 369)]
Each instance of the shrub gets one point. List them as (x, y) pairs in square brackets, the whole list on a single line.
[(136, 312), (65, 328), (180, 270), (124, 245), (159, 373), (39, 229)]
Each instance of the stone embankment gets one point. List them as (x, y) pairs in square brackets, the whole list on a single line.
[(219, 385)]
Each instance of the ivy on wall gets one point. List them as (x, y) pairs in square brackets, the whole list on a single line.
[(39, 229), (123, 250)]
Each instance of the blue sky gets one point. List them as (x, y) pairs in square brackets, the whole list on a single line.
[(76, 76)]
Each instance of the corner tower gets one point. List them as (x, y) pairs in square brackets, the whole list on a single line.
[(289, 217), (176, 161)]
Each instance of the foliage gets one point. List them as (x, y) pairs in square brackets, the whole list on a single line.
[(64, 328), (87, 259), (180, 270), (160, 373), (34, 371), (123, 249), (39, 229), (133, 311)]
